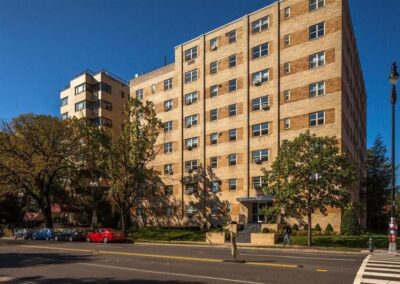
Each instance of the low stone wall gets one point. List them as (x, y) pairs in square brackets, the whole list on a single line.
[(215, 237), (260, 239)]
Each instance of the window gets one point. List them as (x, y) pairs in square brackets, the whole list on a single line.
[(168, 105), (214, 138), (259, 77), (122, 94), (260, 50), (191, 165), (260, 156), (168, 126), (215, 186), (317, 118), (102, 121), (317, 60), (105, 87), (167, 84), (316, 31), (286, 68), (64, 101), (286, 40), (191, 143), (232, 60), (232, 159), (213, 91), (191, 53), (81, 88), (168, 169), (214, 67), (231, 36), (286, 123), (214, 162), (257, 182), (214, 43), (232, 135), (287, 12), (260, 103), (191, 98), (232, 85), (191, 120), (232, 110), (191, 76), (317, 89), (103, 104), (260, 129), (259, 25), (168, 147), (153, 88), (64, 116), (232, 184), (213, 114), (168, 190), (139, 94), (316, 4), (80, 106), (286, 95)]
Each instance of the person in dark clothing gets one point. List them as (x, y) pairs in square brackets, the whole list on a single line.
[(287, 231)]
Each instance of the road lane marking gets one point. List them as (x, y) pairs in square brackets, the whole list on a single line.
[(322, 270), (172, 274), (378, 281), (58, 248), (382, 269), (380, 261), (160, 256), (383, 265), (360, 272), (214, 260), (306, 257), (391, 275)]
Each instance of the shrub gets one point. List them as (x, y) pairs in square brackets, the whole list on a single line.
[(350, 225), (265, 230), (302, 233), (329, 229), (317, 228), (295, 227)]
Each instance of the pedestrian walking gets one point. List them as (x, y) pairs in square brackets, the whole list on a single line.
[(287, 231)]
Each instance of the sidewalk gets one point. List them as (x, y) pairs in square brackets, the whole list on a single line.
[(249, 246)]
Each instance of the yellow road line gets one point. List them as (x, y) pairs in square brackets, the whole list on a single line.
[(322, 270), (272, 264), (161, 256), (58, 248)]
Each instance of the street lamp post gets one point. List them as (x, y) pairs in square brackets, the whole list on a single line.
[(392, 225), (93, 185)]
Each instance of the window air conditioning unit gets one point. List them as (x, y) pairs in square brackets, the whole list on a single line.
[(167, 108), (214, 47), (257, 187), (258, 161), (189, 170), (188, 102), (188, 125), (265, 107), (257, 82), (189, 147), (170, 172)]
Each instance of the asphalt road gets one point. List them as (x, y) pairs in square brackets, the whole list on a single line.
[(64, 262)]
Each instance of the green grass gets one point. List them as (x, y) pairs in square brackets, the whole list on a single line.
[(162, 234), (361, 242)]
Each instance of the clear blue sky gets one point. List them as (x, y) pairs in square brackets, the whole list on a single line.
[(44, 43)]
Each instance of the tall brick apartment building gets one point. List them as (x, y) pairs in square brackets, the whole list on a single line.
[(235, 93)]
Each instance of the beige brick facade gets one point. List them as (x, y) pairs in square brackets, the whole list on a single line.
[(344, 115)]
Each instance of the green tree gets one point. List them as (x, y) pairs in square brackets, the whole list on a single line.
[(350, 225), (309, 175), (130, 179), (378, 181), (36, 153)]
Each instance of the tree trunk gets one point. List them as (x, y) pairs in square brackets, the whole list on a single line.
[(123, 220), (309, 236), (47, 215)]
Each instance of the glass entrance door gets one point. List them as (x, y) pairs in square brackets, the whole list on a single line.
[(256, 216)]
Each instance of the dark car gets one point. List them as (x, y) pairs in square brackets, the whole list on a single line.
[(43, 234), (71, 235), (21, 233)]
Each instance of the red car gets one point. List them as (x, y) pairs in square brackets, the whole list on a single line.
[(104, 235)]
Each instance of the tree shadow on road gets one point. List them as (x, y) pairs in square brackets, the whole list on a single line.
[(42, 280), (20, 260)]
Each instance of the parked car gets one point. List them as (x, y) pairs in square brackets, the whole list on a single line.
[(21, 233), (69, 234), (104, 235), (43, 234)]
